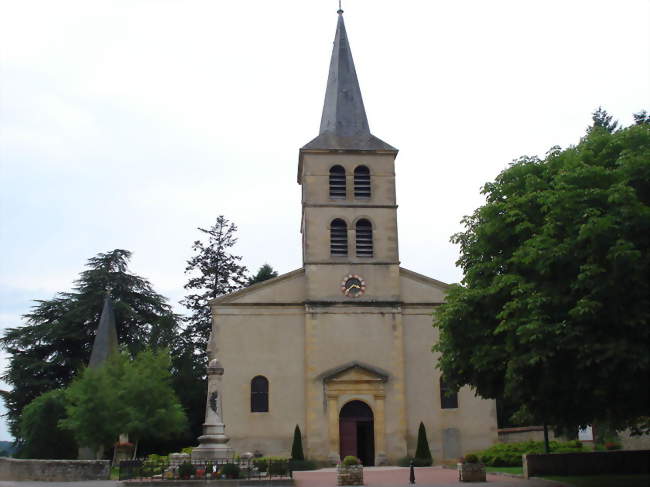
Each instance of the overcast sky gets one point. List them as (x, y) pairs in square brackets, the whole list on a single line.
[(127, 124)]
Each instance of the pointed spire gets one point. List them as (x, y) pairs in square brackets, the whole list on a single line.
[(344, 124), (106, 336)]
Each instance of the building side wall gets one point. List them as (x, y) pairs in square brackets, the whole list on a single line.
[(262, 341), (451, 432)]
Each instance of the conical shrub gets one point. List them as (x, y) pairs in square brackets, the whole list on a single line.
[(296, 447), (423, 453)]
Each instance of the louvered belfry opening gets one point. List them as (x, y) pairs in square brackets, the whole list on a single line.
[(337, 182), (362, 182), (364, 238), (339, 238)]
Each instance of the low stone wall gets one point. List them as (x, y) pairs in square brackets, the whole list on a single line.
[(524, 433), (598, 462), (54, 470)]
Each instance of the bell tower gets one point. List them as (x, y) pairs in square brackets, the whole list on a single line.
[(349, 210)]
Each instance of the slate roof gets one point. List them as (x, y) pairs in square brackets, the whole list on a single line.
[(105, 342), (344, 124)]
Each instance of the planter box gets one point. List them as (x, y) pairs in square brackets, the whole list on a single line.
[(471, 472), (349, 475)]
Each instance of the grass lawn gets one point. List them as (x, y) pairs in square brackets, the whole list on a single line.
[(513, 470), (604, 480)]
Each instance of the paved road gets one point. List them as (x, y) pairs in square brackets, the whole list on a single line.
[(424, 477), (373, 477), (83, 483)]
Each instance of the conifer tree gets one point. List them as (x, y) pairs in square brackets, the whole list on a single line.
[(265, 273), (55, 342), (214, 271), (422, 452), (296, 447)]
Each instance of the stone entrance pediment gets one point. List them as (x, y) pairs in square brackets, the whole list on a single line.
[(354, 372)]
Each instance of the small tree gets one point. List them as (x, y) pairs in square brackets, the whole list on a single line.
[(124, 396), (39, 428), (296, 447), (265, 273), (422, 451)]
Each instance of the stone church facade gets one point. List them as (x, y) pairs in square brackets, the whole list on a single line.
[(342, 346)]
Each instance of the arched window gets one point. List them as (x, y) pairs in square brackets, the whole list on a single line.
[(337, 182), (259, 394), (362, 182), (448, 397), (338, 238), (364, 238)]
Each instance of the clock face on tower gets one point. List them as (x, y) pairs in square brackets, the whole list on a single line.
[(353, 286)]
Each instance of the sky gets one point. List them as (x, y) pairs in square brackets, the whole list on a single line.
[(130, 123)]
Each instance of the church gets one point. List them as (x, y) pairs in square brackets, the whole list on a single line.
[(342, 346)]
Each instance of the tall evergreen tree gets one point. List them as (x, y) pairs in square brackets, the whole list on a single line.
[(56, 340), (265, 273), (296, 447), (422, 452), (214, 271)]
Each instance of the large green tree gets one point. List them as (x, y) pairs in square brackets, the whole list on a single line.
[(55, 342), (553, 313), (124, 396), (213, 271)]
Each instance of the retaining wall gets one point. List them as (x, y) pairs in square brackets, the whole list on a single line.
[(54, 470), (598, 462)]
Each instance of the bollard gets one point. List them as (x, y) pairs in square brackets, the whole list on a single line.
[(412, 474)]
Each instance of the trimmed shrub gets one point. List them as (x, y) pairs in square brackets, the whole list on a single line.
[(296, 447), (186, 470), (509, 454), (297, 465), (422, 452), (350, 460), (471, 458), (230, 471)]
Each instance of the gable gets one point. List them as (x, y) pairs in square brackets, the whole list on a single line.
[(354, 372), (417, 288), (288, 288)]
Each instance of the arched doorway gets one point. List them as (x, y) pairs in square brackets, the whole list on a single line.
[(356, 432)]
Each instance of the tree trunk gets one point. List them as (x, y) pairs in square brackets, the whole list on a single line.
[(546, 447)]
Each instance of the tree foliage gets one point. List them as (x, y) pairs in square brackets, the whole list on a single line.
[(603, 120), (39, 426), (214, 271), (554, 309), (56, 341), (124, 396), (265, 273)]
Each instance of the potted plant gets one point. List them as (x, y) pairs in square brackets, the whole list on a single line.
[(230, 471), (470, 469), (349, 471)]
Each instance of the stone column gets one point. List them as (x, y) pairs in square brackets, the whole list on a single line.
[(213, 444), (333, 427), (380, 431)]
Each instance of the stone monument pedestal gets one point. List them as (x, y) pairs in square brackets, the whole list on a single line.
[(213, 444)]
